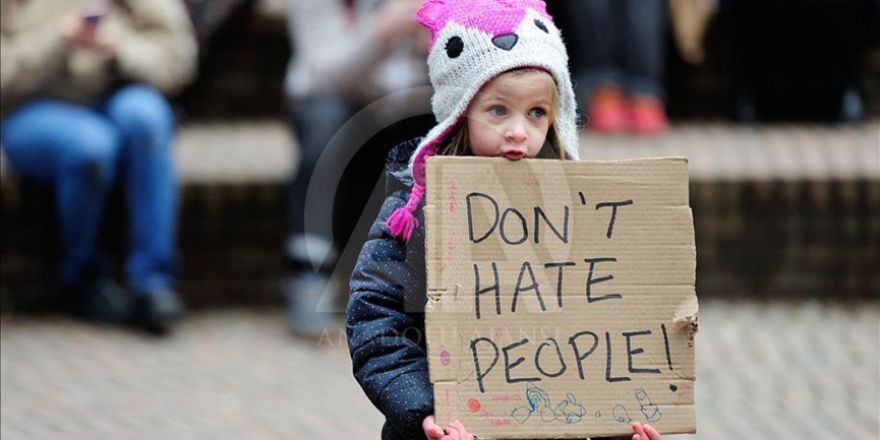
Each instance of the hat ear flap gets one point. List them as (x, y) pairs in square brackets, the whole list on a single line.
[(430, 14), (538, 5)]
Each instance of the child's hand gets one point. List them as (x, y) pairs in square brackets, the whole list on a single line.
[(644, 432), (453, 431), (432, 430), (456, 431), (641, 432)]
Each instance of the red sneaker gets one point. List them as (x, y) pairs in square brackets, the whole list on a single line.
[(607, 112), (647, 116)]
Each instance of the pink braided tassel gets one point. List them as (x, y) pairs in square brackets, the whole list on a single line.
[(403, 222)]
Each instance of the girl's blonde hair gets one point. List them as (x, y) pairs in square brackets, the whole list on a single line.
[(457, 144)]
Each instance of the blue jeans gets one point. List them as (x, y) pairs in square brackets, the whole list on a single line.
[(619, 42), (83, 152)]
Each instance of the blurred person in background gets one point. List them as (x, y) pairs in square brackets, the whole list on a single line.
[(619, 49), (347, 55), (83, 108), (800, 60)]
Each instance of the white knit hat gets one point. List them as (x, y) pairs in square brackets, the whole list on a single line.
[(472, 42)]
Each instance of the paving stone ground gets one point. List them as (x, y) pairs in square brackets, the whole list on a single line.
[(765, 370)]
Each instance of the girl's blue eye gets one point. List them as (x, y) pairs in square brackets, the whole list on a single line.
[(537, 112), (498, 110)]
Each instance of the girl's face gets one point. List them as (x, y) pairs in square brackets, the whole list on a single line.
[(511, 115)]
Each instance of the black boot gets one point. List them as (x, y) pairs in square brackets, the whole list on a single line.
[(157, 311), (99, 300)]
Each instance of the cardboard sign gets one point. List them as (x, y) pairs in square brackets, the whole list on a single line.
[(561, 299)]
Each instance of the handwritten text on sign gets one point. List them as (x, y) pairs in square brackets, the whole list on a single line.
[(562, 296)]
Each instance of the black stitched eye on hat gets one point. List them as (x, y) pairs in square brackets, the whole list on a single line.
[(540, 24), (454, 46)]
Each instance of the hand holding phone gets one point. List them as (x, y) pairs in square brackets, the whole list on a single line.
[(92, 13), (84, 29)]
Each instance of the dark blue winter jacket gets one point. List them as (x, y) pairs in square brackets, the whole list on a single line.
[(385, 318)]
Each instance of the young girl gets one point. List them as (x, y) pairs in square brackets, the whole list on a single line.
[(501, 88)]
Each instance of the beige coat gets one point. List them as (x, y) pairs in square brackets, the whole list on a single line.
[(153, 40)]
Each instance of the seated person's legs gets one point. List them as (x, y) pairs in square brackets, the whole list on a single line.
[(76, 149), (145, 122)]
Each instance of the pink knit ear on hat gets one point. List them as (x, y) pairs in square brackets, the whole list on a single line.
[(432, 15), (538, 5)]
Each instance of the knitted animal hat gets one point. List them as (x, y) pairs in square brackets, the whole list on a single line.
[(473, 41)]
